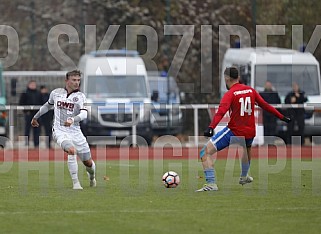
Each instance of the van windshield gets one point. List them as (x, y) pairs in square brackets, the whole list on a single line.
[(117, 87), (282, 77)]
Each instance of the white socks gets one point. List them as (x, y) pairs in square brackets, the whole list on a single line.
[(91, 170), (73, 168)]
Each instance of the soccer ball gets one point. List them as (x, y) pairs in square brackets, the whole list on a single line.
[(171, 179)]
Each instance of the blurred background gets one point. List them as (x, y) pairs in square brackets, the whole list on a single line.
[(33, 20)]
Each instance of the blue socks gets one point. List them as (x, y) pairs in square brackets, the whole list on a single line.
[(210, 176), (210, 173), (245, 168)]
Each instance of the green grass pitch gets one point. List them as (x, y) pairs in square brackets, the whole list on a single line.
[(36, 197)]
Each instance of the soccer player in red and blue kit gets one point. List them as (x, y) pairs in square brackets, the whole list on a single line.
[(239, 100)]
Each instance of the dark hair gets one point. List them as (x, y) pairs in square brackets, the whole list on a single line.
[(73, 73), (231, 72)]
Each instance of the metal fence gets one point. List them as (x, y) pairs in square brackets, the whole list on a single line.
[(16, 83), (16, 123)]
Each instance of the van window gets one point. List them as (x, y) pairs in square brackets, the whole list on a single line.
[(282, 77), (160, 85), (117, 87), (245, 74)]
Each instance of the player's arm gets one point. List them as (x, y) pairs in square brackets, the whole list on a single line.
[(224, 106), (266, 106), (82, 114), (76, 119), (43, 110)]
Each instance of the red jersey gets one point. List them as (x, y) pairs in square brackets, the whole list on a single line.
[(240, 101)]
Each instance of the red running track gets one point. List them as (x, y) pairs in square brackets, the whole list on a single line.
[(125, 153)]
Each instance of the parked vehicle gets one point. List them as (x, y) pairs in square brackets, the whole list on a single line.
[(115, 83), (3, 111), (282, 67), (165, 121)]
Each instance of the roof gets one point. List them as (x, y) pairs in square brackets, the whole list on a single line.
[(269, 55)]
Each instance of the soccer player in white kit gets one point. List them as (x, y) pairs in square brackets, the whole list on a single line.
[(69, 108)]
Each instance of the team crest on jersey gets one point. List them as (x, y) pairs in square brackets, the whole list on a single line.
[(75, 99)]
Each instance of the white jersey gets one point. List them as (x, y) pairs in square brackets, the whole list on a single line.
[(66, 105)]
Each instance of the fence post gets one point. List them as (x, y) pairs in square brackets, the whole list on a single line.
[(196, 125), (134, 135), (11, 124)]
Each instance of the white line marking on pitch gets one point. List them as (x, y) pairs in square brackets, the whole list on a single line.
[(120, 164), (150, 211)]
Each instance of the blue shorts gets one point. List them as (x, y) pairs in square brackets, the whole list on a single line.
[(223, 138)]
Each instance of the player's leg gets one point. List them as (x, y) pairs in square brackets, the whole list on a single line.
[(72, 162), (90, 167), (245, 165), (208, 166), (245, 161), (84, 154), (207, 162), (218, 142), (73, 170), (91, 171), (66, 144)]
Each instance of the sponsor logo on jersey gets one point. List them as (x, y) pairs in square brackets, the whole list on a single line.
[(65, 105)]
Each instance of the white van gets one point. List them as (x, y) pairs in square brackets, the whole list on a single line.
[(165, 121), (115, 83), (282, 67)]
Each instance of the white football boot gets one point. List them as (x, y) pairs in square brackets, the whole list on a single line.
[(208, 187), (77, 186)]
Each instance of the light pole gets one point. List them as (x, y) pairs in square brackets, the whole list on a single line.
[(83, 22), (168, 22), (254, 22), (32, 35)]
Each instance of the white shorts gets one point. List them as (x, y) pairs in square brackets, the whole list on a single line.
[(77, 139)]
